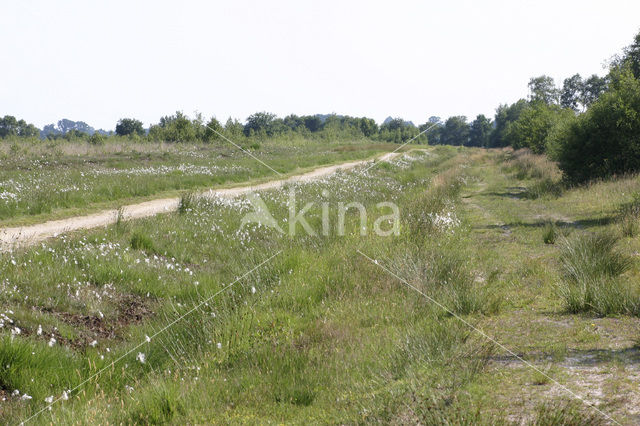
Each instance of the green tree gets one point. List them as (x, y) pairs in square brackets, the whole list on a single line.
[(506, 115), (480, 131), (129, 126), (533, 126), (631, 57), (259, 123), (234, 128), (455, 131), (294, 122), (213, 130), (313, 123), (592, 88), (176, 128), (605, 140), (543, 89), (397, 130), (368, 127), (10, 126), (571, 93), (394, 124)]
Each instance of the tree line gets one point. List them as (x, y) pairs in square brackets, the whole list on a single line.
[(179, 127), (590, 126)]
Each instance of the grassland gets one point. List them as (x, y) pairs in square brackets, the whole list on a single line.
[(47, 180), (318, 333)]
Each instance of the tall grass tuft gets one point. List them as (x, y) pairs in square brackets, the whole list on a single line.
[(187, 202), (141, 241), (550, 233), (591, 268), (568, 413), (442, 274), (628, 215)]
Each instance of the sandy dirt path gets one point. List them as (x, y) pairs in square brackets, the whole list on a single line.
[(31, 234)]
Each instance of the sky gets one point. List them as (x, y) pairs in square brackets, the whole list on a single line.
[(100, 61)]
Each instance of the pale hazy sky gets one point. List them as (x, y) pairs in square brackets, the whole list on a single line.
[(98, 61)]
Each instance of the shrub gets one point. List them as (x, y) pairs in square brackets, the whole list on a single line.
[(534, 125), (591, 267), (97, 139), (604, 141)]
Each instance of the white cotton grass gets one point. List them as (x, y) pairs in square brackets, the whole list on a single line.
[(445, 221), (141, 357)]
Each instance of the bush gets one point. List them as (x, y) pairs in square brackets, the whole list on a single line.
[(605, 140), (534, 125), (97, 139), (591, 267)]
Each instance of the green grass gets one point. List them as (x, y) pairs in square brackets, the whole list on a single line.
[(61, 179), (591, 268), (320, 334)]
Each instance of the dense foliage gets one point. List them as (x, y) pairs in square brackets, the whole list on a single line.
[(129, 126), (10, 126), (605, 140)]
